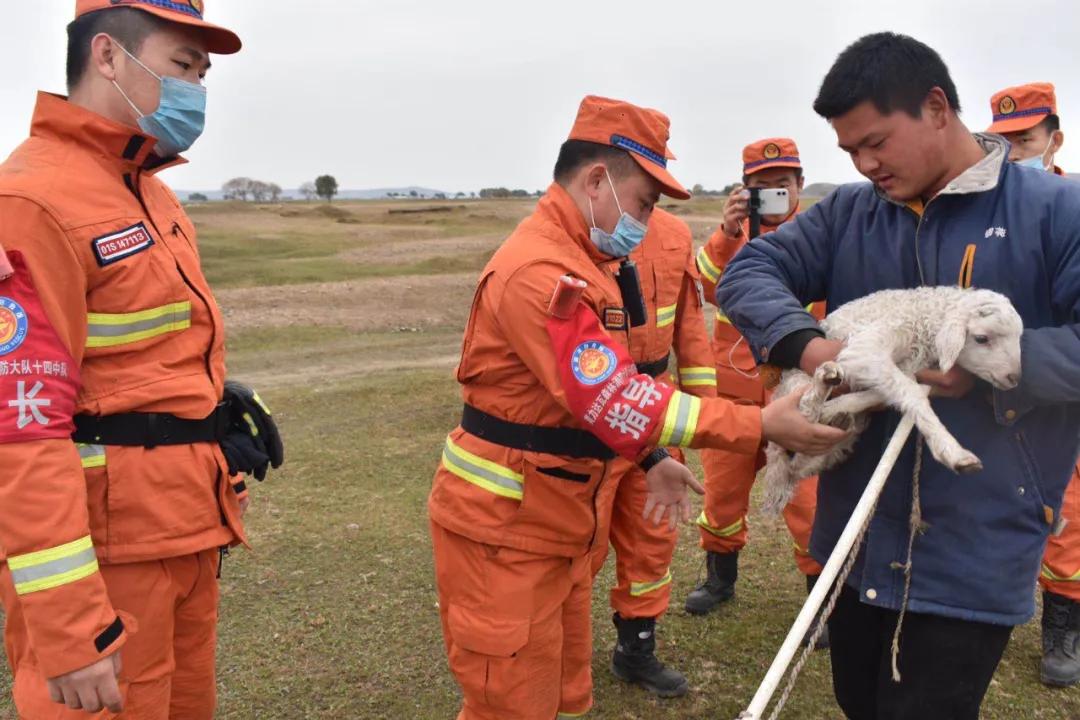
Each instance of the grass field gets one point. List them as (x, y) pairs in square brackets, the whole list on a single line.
[(348, 318)]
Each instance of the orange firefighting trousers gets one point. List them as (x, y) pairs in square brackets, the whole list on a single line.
[(171, 607)]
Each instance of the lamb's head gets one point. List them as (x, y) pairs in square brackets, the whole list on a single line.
[(980, 332)]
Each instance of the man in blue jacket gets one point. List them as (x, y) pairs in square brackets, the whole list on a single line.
[(942, 206)]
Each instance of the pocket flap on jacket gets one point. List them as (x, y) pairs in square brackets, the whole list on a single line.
[(486, 634)]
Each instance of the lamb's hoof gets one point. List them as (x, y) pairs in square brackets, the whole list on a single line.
[(831, 373), (967, 464), (842, 421)]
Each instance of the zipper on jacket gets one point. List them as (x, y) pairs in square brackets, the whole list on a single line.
[(918, 230), (184, 277)]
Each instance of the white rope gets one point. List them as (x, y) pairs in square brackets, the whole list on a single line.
[(840, 561)]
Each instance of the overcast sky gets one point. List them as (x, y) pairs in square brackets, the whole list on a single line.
[(458, 96)]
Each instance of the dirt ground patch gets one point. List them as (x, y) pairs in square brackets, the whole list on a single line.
[(420, 250), (367, 304)]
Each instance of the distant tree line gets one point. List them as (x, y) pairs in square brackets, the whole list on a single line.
[(245, 189), (498, 193), (700, 191), (324, 186)]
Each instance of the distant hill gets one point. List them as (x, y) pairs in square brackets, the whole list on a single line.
[(373, 194), (819, 189)]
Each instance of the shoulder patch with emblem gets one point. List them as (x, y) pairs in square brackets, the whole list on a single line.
[(122, 244), (614, 318)]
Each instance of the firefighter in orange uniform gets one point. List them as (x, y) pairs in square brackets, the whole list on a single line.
[(643, 551), (552, 396), (115, 443), (768, 163), (1027, 116)]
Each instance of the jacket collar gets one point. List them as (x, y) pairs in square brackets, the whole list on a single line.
[(125, 147), (983, 175), (980, 177), (558, 207)]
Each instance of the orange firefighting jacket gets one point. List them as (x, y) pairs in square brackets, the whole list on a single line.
[(114, 316), (511, 369), (737, 372), (672, 291)]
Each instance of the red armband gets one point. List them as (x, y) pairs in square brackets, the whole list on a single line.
[(603, 387), (39, 380)]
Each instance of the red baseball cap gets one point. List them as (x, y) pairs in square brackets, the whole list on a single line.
[(185, 12), (770, 153), (1022, 107), (643, 133)]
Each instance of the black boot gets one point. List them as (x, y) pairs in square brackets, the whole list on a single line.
[(719, 585), (635, 662), (823, 641), (1061, 641)]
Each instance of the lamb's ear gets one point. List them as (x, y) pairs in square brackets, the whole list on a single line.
[(950, 339)]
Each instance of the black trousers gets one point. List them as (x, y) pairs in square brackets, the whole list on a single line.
[(946, 664)]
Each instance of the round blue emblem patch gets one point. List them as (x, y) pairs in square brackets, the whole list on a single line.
[(13, 325), (593, 362)]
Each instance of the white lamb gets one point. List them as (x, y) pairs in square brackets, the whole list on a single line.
[(888, 337)]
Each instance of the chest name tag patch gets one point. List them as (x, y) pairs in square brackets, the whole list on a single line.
[(614, 318), (117, 246)]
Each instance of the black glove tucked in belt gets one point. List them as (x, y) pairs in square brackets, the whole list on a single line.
[(252, 443)]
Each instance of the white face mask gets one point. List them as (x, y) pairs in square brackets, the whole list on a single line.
[(1039, 161), (627, 235), (180, 116)]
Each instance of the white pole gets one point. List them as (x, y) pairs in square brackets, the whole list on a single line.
[(756, 709)]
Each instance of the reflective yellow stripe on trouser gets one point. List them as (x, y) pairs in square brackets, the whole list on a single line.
[(46, 569), (110, 329), (707, 267), (483, 473), (697, 376), (1051, 575), (728, 531), (570, 716), (92, 456), (680, 421), (666, 315), (637, 589)]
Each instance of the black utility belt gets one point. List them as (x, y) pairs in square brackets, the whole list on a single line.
[(568, 442), (150, 430), (654, 368)]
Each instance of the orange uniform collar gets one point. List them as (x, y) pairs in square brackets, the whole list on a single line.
[(558, 206), (57, 118)]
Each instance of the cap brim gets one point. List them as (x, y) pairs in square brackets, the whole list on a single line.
[(1018, 124), (219, 40), (668, 184), (777, 164)]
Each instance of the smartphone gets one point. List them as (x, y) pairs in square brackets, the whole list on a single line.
[(769, 201)]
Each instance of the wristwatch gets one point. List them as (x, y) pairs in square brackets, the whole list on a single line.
[(652, 459)]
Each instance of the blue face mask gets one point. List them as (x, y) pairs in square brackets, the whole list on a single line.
[(1037, 161), (628, 233), (180, 117)]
